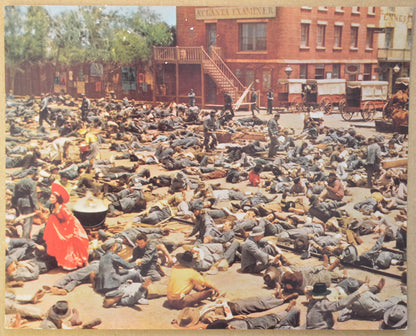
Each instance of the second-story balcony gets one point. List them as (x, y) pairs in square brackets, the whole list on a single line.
[(190, 55), (389, 54)]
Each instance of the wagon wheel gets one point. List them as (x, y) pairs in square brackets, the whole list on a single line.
[(369, 111), (326, 105), (296, 105), (346, 115)]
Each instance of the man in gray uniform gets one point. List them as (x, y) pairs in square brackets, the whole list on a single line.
[(26, 201), (372, 163), (273, 129), (210, 126)]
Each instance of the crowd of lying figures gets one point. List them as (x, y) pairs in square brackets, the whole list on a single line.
[(170, 207)]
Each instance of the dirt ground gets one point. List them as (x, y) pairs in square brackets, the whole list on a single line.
[(232, 283)]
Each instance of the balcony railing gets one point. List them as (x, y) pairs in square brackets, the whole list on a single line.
[(388, 54), (180, 54)]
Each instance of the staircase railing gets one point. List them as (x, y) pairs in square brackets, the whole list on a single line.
[(206, 57), (226, 70)]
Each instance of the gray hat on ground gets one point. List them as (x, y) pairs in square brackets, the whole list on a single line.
[(395, 317), (59, 310)]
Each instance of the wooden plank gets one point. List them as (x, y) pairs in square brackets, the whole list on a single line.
[(391, 163), (250, 136), (240, 100)]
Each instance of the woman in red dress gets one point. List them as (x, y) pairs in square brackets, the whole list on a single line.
[(254, 176), (64, 235)]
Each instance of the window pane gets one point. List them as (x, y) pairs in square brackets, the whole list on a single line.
[(249, 77), (388, 38), (267, 79), (319, 71), (354, 37), (304, 39), (409, 38), (260, 36), (338, 36), (369, 42), (367, 72), (320, 41), (252, 36), (303, 71), (335, 70)]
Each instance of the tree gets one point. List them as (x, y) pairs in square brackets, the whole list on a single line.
[(36, 34), (14, 50)]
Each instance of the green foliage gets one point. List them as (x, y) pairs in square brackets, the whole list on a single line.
[(129, 47), (13, 36), (85, 34), (36, 33)]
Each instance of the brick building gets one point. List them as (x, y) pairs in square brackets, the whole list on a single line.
[(395, 43), (227, 48)]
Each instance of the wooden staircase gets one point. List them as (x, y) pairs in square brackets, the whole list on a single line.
[(214, 66)]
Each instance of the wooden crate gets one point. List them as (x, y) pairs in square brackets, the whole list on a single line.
[(383, 126), (250, 136), (224, 137)]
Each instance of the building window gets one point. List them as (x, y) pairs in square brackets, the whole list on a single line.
[(211, 29), (304, 35), (338, 37), (336, 70), (370, 38), (239, 75), (249, 76), (128, 78), (303, 71), (355, 10), (320, 39), (319, 71), (252, 36), (339, 9), (371, 10), (367, 72), (323, 8), (267, 80), (409, 38), (388, 38), (354, 37)]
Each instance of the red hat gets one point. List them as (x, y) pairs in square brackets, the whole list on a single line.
[(61, 191)]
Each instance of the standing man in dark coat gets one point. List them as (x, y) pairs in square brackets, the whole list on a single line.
[(373, 160), (210, 126), (270, 101), (273, 129), (25, 200), (44, 112), (191, 97), (253, 101), (228, 103), (85, 107)]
